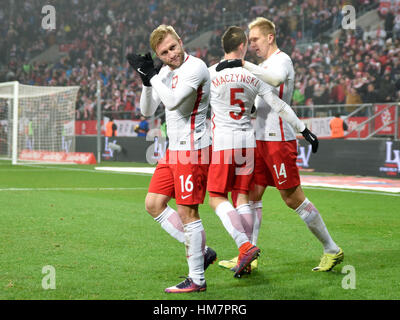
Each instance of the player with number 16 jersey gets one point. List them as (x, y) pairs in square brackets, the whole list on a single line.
[(183, 86)]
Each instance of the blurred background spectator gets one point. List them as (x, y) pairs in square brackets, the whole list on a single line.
[(94, 37)]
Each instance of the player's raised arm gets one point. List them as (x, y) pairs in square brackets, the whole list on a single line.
[(149, 101), (144, 66)]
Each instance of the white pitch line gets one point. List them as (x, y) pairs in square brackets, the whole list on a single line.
[(148, 170), (341, 186), (87, 170), (22, 170), (133, 189), (70, 189), (352, 191)]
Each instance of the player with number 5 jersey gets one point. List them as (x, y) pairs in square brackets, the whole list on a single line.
[(233, 92)]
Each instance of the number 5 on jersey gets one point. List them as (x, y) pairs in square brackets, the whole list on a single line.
[(234, 100)]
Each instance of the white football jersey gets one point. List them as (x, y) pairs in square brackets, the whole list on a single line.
[(233, 92), (269, 125), (187, 130)]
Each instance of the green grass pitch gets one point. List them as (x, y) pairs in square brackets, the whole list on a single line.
[(92, 228)]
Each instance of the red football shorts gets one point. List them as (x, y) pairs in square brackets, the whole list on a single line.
[(230, 170), (276, 164), (182, 175)]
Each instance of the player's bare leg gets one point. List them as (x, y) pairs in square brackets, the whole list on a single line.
[(293, 197), (188, 213), (156, 203)]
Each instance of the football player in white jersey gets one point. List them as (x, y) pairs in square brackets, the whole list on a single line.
[(183, 86), (233, 93), (276, 151)]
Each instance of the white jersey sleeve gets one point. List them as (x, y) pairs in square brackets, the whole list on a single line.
[(172, 100), (149, 101), (273, 74), (280, 107)]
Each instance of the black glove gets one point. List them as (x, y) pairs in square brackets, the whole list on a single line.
[(144, 65), (311, 138), (233, 63), (158, 65)]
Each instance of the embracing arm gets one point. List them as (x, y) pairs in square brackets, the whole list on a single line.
[(270, 75)]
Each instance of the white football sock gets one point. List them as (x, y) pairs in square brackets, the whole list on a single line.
[(310, 215), (247, 218), (171, 222), (256, 207), (195, 246), (232, 223)]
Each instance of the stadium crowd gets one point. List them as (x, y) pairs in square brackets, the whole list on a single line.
[(356, 69), (95, 36)]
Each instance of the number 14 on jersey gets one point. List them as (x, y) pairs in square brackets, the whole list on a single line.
[(282, 171)]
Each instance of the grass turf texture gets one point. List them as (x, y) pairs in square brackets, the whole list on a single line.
[(103, 245)]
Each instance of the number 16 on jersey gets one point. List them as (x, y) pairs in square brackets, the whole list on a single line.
[(186, 185)]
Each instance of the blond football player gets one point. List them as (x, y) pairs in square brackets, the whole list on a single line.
[(276, 151), (183, 86)]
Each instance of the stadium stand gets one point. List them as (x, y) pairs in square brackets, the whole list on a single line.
[(93, 38)]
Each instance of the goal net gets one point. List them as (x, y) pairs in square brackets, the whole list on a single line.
[(34, 118)]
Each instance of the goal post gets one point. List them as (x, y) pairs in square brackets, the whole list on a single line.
[(36, 118)]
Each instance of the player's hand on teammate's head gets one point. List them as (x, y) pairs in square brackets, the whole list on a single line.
[(311, 138), (232, 63), (144, 66)]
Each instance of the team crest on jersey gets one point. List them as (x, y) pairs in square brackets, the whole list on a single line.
[(174, 81)]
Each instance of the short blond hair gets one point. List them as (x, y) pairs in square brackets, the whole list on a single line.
[(266, 26), (159, 34)]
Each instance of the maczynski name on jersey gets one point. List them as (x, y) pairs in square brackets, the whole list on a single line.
[(235, 77)]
